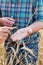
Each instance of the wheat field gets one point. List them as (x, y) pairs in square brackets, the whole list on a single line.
[(40, 54)]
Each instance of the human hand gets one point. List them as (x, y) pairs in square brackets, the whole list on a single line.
[(7, 21), (20, 34), (4, 33)]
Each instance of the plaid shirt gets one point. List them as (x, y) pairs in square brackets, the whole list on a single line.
[(22, 11)]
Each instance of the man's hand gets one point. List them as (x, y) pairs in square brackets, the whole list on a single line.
[(20, 34), (7, 21), (4, 32)]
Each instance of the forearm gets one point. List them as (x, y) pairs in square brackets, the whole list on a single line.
[(27, 31), (36, 26)]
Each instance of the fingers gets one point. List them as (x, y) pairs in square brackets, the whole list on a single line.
[(4, 33), (8, 24), (2, 38), (11, 22), (10, 19), (7, 21), (19, 35), (4, 30), (10, 28)]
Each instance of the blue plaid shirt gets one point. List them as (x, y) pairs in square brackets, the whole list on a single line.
[(22, 11)]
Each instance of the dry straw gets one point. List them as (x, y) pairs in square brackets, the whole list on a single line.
[(15, 55)]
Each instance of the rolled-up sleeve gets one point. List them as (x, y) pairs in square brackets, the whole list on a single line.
[(39, 14)]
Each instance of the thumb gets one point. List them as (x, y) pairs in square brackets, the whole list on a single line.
[(10, 28)]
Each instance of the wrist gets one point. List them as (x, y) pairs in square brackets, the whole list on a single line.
[(29, 30)]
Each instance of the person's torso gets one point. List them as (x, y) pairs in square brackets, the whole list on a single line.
[(21, 11)]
